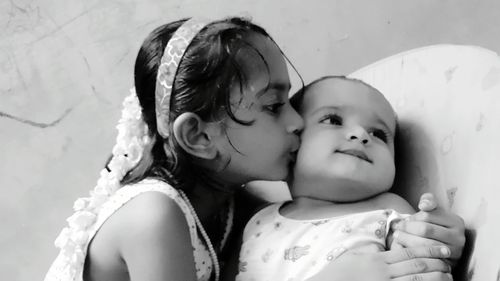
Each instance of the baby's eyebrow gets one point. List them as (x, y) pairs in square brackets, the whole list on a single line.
[(336, 108), (325, 108), (386, 126)]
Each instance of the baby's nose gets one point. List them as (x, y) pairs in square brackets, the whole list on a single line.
[(358, 133)]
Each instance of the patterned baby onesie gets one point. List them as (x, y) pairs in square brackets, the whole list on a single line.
[(278, 248)]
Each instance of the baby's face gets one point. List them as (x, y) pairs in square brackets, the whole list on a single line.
[(347, 148)]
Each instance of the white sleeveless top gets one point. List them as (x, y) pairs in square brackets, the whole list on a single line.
[(70, 262)]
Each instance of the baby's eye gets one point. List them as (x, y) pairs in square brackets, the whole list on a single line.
[(332, 119), (275, 108), (380, 134)]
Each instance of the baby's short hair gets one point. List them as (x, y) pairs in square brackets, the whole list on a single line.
[(297, 99)]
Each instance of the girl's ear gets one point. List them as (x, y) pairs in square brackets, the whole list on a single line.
[(194, 137)]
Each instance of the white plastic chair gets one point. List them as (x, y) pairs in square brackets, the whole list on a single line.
[(447, 98)]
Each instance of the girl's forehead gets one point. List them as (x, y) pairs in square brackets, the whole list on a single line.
[(259, 52), (262, 64)]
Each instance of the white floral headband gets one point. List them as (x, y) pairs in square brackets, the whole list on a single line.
[(176, 47), (132, 144)]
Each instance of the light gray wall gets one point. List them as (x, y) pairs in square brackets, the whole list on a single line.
[(66, 65)]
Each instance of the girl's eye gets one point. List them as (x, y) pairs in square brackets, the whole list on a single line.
[(275, 107), (332, 119), (381, 135)]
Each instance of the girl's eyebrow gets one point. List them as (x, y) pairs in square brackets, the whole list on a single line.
[(274, 86)]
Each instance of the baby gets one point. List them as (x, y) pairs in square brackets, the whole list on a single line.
[(344, 169)]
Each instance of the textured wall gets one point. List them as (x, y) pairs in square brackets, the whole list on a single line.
[(66, 65)]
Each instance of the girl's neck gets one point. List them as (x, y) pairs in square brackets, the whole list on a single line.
[(207, 200), (212, 206)]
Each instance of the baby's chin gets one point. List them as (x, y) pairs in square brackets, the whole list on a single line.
[(345, 192)]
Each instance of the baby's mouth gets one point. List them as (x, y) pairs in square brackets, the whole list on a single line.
[(356, 153)]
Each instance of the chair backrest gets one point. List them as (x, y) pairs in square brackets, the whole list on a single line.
[(447, 98)]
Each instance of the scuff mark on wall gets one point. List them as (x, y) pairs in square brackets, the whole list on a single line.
[(37, 124), (448, 74), (343, 38), (447, 143), (59, 27), (451, 193), (480, 122), (22, 18)]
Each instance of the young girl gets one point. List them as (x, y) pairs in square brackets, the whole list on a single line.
[(210, 113), (345, 166)]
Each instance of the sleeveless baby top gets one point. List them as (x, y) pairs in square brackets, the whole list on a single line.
[(279, 248), (70, 262)]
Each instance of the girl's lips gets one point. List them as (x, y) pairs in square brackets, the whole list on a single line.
[(293, 156), (295, 145), (294, 149), (356, 153)]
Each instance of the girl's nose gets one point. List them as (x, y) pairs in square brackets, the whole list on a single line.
[(295, 123), (358, 133)]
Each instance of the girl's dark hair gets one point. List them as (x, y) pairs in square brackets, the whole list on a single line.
[(205, 76)]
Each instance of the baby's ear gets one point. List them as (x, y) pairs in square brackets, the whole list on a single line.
[(193, 135)]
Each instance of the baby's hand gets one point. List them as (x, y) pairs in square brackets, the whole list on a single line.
[(432, 225)]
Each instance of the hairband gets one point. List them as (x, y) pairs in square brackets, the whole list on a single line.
[(170, 61)]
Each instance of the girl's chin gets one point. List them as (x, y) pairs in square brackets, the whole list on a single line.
[(280, 174)]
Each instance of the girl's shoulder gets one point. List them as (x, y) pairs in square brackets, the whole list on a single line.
[(151, 216), (150, 204), (151, 227), (150, 201), (146, 211)]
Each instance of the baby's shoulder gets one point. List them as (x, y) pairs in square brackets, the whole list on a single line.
[(389, 200)]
